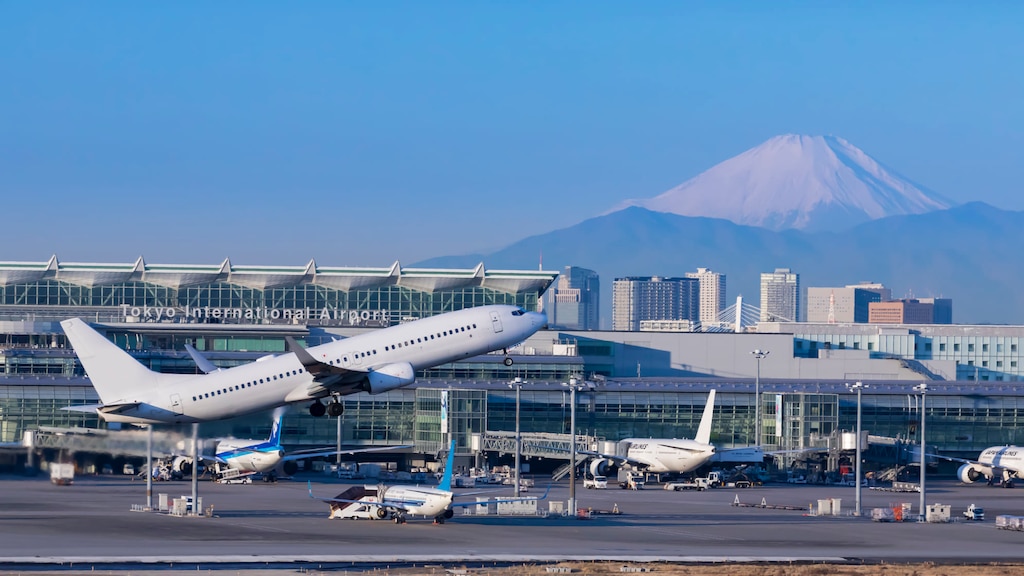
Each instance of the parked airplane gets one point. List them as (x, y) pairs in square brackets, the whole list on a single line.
[(663, 454), (373, 362), (997, 464), (237, 459), (401, 501)]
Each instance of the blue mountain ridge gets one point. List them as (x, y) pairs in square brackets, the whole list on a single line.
[(971, 253)]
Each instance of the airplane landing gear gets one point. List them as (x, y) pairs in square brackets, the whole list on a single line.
[(508, 359), (317, 409), (439, 520), (399, 519), (335, 409)]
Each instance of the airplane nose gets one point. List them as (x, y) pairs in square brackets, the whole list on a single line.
[(539, 319)]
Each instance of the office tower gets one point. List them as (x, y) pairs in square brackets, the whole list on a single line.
[(636, 299), (780, 296), (574, 302), (840, 305), (943, 309), (884, 293), (907, 311), (712, 294)]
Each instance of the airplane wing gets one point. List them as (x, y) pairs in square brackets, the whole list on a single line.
[(391, 504), (322, 372), (496, 500), (315, 452)]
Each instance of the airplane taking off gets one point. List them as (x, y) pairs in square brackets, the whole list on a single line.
[(236, 459), (401, 501), (373, 362), (997, 464), (663, 454)]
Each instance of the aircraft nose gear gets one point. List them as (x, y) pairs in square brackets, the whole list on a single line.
[(508, 359), (317, 409), (335, 409)]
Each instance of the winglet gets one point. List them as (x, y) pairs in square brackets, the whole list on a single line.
[(704, 430), (201, 361), (446, 480), (309, 484)]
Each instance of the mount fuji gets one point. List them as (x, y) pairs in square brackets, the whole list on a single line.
[(798, 182)]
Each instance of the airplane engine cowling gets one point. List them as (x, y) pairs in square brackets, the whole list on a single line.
[(389, 377), (289, 467), (968, 473), (599, 467), (182, 464)]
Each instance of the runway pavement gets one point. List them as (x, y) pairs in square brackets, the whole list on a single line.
[(91, 524)]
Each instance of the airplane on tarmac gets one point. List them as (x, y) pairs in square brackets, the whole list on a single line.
[(238, 460), (373, 362), (663, 454), (401, 501), (998, 465)]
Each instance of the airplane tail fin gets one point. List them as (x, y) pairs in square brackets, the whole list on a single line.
[(449, 467), (275, 431), (114, 374), (704, 430)]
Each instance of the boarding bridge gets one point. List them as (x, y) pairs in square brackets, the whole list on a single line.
[(540, 445), (121, 442)]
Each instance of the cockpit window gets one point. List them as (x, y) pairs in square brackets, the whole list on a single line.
[(518, 312)]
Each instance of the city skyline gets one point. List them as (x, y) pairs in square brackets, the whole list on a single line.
[(362, 134)]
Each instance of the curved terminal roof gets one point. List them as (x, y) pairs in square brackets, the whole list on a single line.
[(263, 277)]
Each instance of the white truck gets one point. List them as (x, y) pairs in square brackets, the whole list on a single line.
[(62, 474), (598, 482), (699, 484), (631, 480)]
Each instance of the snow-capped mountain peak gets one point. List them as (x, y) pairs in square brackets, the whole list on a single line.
[(797, 181)]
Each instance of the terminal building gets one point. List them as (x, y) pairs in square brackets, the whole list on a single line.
[(637, 384)]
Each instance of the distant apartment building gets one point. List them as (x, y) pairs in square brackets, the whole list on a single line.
[(912, 311), (840, 305), (712, 294), (574, 303), (780, 296), (636, 299)]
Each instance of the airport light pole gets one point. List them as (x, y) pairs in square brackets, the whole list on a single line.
[(758, 355), (858, 386), (923, 389), (518, 385), (573, 385)]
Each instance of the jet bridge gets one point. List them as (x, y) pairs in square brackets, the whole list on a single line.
[(541, 445)]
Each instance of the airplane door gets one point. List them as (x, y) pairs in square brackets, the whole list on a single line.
[(496, 322), (176, 403)]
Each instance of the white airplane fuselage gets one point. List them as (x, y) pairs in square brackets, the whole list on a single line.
[(997, 463), (378, 361), (669, 454)]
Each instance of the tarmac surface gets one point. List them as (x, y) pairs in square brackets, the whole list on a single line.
[(91, 524)]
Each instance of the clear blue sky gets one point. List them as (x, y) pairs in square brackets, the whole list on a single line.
[(358, 133)]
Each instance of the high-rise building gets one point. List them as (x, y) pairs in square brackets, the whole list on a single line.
[(712, 294), (840, 305), (780, 296), (907, 311), (636, 299), (942, 308), (574, 302)]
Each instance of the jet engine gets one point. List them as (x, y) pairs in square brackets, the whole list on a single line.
[(389, 377), (289, 467), (600, 466), (182, 465), (968, 473)]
